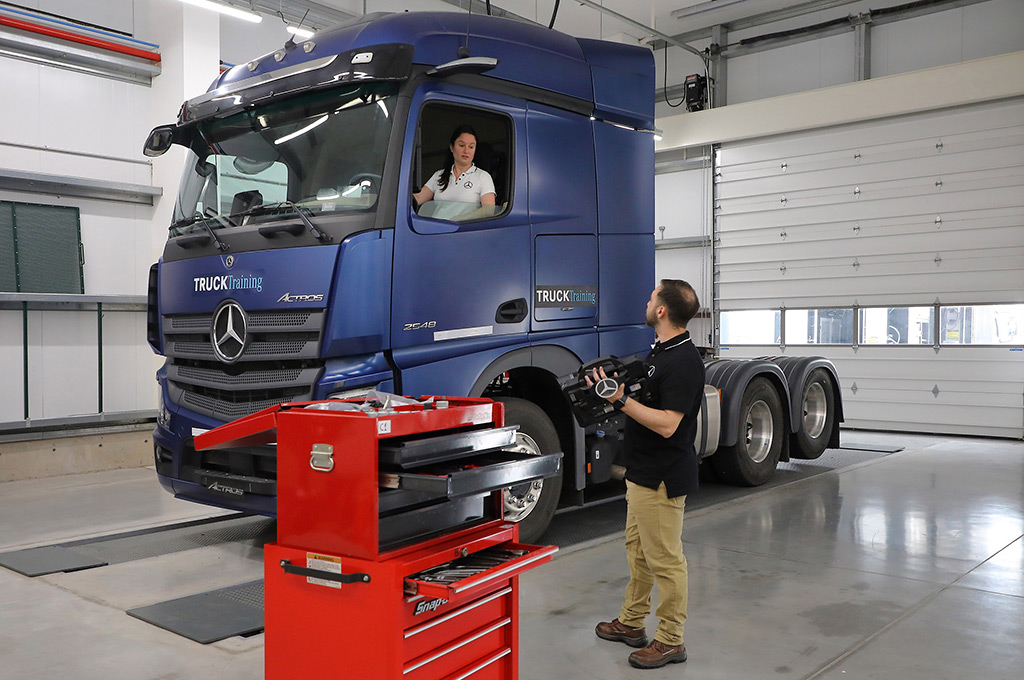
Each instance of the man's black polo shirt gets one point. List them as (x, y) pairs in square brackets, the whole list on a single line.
[(676, 382)]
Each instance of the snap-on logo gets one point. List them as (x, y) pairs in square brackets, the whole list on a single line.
[(428, 606)]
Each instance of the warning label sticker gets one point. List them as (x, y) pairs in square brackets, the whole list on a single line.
[(326, 563)]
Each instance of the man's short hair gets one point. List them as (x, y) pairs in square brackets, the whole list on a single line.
[(680, 300)]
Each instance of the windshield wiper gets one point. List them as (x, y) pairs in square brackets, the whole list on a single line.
[(271, 230), (189, 241)]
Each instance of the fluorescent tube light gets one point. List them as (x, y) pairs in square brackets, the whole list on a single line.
[(702, 8), (300, 33), (226, 9), (298, 133)]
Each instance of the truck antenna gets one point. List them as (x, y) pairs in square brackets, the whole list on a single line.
[(290, 43), (464, 50)]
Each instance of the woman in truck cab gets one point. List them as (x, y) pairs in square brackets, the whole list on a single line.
[(458, 182)]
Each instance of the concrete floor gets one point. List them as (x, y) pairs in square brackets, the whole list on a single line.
[(907, 566)]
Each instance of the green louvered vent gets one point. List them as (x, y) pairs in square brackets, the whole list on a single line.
[(40, 249)]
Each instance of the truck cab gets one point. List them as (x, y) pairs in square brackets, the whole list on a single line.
[(298, 265)]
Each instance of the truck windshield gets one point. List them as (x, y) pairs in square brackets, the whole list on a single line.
[(324, 152)]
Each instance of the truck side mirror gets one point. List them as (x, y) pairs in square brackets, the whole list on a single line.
[(474, 65), (159, 141)]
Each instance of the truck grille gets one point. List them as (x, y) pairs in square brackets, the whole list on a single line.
[(280, 362)]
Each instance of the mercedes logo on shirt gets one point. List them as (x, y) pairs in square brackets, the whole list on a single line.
[(228, 332)]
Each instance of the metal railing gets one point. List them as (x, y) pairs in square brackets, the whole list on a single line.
[(100, 420)]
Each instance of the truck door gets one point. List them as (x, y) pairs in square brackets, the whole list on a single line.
[(462, 278)]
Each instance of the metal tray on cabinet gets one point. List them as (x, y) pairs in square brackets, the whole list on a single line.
[(418, 452), (478, 571), (482, 473)]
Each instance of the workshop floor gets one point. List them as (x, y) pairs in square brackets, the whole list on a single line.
[(906, 566)]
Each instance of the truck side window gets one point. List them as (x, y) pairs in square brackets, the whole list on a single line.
[(462, 167)]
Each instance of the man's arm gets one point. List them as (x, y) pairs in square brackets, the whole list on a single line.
[(657, 420)]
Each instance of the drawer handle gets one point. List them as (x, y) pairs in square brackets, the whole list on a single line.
[(456, 613), (547, 552), (501, 624), (503, 653), (357, 577)]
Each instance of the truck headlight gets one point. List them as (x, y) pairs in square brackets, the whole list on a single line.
[(163, 416)]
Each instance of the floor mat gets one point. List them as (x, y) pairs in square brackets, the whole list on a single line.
[(878, 448), (49, 559), (210, 616), (128, 546)]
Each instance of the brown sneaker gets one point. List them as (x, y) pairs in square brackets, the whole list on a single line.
[(657, 654), (615, 631)]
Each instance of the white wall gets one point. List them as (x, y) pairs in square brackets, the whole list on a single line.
[(63, 123)]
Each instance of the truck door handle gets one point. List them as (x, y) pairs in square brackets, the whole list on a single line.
[(512, 311)]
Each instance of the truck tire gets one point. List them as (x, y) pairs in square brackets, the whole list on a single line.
[(533, 504), (819, 412), (762, 427)]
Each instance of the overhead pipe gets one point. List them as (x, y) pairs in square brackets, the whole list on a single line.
[(70, 36)]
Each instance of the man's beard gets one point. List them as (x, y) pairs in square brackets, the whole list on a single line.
[(651, 320)]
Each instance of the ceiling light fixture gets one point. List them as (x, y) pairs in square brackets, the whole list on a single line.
[(226, 9), (300, 33), (703, 8)]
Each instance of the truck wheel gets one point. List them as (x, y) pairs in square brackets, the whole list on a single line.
[(819, 412), (752, 461), (532, 505)]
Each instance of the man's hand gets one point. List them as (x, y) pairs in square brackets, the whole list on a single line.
[(599, 375)]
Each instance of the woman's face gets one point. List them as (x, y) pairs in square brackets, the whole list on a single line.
[(463, 149)]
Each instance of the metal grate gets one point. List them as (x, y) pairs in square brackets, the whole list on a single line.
[(213, 376), (225, 410), (132, 547), (250, 594), (297, 318)]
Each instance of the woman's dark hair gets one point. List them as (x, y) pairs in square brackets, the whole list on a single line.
[(449, 157)]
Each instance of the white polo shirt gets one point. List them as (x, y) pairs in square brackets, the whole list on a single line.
[(467, 188)]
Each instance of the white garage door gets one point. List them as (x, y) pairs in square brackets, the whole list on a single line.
[(895, 248)]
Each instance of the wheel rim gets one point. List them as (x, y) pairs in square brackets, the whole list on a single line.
[(815, 410), (520, 500), (760, 431)]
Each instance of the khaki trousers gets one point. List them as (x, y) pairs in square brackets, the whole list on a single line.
[(654, 548)]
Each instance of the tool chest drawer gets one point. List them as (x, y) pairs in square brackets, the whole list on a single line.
[(473, 476), (446, 660), (450, 623), (467, 576), (438, 448)]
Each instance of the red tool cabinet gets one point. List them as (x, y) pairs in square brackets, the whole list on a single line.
[(392, 558)]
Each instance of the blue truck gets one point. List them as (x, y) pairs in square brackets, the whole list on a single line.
[(298, 265)]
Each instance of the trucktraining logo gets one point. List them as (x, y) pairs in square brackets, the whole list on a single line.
[(566, 296), (209, 284)]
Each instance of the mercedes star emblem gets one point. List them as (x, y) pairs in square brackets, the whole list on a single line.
[(606, 387), (229, 261), (228, 332)]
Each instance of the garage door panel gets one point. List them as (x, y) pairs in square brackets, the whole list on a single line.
[(818, 234), (849, 204), (873, 140), (953, 169), (896, 248)]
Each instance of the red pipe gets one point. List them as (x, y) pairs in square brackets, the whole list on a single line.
[(78, 38)]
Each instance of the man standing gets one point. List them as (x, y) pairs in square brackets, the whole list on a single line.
[(661, 464)]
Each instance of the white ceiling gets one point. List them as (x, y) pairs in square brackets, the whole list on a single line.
[(642, 20)]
